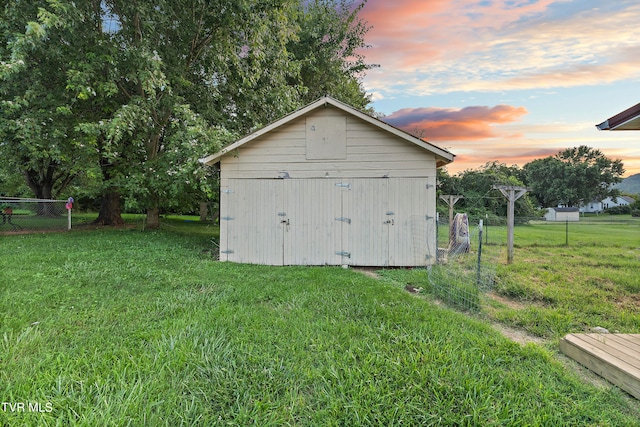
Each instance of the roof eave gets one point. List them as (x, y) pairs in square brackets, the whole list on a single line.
[(604, 125)]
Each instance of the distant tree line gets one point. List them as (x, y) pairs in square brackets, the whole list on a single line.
[(116, 100), (569, 178)]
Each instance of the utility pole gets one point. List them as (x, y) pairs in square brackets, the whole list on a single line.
[(512, 193), (450, 200)]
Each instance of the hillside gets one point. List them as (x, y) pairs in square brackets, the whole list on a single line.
[(630, 185)]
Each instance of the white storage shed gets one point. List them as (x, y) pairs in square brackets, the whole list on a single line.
[(562, 214), (329, 185)]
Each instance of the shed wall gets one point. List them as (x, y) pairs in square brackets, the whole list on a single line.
[(358, 221), (328, 188), (370, 152), (567, 216)]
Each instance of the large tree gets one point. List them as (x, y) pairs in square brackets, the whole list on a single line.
[(477, 188), (573, 176), (173, 57), (39, 138), (328, 48), (147, 87)]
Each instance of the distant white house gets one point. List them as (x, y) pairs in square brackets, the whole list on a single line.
[(562, 214), (620, 201), (592, 207), (597, 207)]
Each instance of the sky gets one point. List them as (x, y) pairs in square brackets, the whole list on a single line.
[(506, 80)]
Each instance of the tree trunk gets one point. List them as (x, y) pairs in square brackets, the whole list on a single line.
[(153, 218), (42, 187), (110, 212)]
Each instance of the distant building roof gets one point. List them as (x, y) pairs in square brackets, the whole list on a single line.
[(628, 119), (566, 209), (627, 198)]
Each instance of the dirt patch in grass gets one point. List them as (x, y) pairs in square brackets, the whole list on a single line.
[(629, 302), (517, 335), (516, 305), (368, 271)]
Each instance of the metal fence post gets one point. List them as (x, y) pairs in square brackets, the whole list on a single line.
[(478, 278)]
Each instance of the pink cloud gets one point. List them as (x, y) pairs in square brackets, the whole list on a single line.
[(446, 124), (410, 33)]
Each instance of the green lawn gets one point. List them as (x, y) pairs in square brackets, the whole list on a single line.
[(552, 288), (123, 327), (595, 281)]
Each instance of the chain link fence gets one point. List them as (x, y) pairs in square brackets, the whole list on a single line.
[(33, 215)]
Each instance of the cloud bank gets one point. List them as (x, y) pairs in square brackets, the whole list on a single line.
[(439, 46), (446, 124)]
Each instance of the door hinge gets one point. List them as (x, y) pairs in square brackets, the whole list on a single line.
[(227, 191), (428, 217), (344, 185), (390, 213), (428, 186), (229, 251), (344, 254), (227, 218), (343, 219), (282, 214)]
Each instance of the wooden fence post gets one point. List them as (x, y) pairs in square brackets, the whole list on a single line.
[(509, 191)]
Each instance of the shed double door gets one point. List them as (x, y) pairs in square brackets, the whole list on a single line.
[(392, 222), (280, 221), (362, 221)]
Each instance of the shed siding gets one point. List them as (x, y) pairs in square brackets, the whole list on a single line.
[(250, 227), (366, 237), (313, 232), (567, 216), (358, 222), (370, 152)]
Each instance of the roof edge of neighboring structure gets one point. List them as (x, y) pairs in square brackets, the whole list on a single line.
[(628, 119)]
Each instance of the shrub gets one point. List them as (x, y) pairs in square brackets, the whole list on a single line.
[(619, 210)]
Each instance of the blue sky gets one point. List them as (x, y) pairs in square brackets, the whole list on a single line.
[(507, 80)]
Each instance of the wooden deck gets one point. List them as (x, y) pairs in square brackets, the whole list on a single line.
[(615, 357)]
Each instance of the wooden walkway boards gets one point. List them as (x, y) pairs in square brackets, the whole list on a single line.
[(615, 357)]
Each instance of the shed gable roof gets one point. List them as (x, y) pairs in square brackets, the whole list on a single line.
[(443, 156)]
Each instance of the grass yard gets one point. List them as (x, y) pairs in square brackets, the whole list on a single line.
[(552, 288), (557, 289), (122, 327)]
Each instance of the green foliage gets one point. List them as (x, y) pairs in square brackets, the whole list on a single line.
[(328, 48), (123, 97), (572, 176), (146, 329), (480, 199), (38, 120), (619, 210)]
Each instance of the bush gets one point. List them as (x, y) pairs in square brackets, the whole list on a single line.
[(619, 210)]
